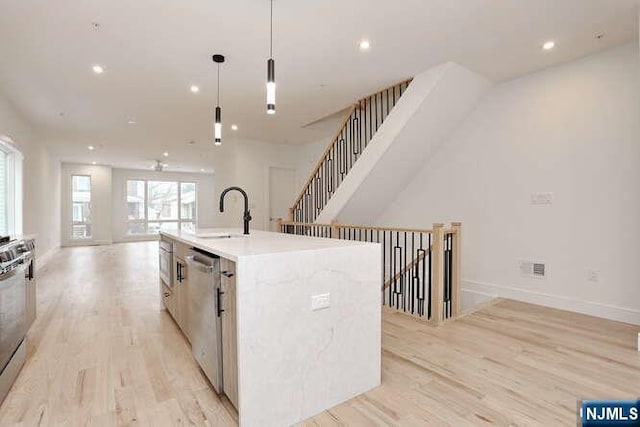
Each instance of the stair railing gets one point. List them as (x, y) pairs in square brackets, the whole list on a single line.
[(360, 124), (420, 267)]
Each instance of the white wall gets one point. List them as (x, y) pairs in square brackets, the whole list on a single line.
[(206, 203), (41, 189), (238, 163), (307, 158), (432, 107), (573, 130), (246, 164), (101, 201)]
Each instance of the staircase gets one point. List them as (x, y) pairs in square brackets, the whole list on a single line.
[(384, 140), (420, 268), (363, 120)]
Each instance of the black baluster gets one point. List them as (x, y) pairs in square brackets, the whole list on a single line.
[(370, 121), (387, 101)]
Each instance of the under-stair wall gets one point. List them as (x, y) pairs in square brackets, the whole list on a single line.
[(571, 131), (432, 106)]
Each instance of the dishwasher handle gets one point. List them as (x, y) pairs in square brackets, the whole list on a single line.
[(219, 301), (198, 265)]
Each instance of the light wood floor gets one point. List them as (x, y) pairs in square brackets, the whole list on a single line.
[(102, 353)]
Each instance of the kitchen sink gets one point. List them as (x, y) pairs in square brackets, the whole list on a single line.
[(218, 235)]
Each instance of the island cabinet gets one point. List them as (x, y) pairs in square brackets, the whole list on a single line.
[(293, 322), (177, 302), (181, 288), (229, 343)]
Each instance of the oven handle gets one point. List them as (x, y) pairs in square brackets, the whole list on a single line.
[(26, 256)]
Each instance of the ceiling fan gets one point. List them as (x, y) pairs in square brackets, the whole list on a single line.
[(159, 166)]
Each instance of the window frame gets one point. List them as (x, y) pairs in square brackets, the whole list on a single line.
[(89, 222), (14, 184), (145, 221)]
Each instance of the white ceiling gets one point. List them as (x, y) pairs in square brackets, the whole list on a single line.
[(153, 50)]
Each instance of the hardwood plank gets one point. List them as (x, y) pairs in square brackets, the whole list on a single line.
[(102, 353)]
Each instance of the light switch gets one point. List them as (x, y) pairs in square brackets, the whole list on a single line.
[(318, 302)]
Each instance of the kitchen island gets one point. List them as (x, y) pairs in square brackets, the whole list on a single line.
[(301, 319)]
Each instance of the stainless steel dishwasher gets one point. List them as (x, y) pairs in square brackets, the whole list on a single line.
[(204, 314)]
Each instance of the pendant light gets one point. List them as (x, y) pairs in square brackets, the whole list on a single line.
[(271, 71), (217, 127)]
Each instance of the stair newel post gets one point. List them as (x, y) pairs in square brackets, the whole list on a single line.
[(437, 281), (279, 224), (334, 230), (456, 268), (291, 210)]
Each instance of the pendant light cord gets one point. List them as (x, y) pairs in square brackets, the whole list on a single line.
[(218, 84), (271, 33)]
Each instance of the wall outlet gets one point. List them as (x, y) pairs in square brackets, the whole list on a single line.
[(593, 276), (541, 199), (318, 302)]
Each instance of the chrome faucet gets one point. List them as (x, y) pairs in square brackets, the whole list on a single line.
[(247, 213)]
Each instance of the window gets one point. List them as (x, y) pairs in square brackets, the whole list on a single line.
[(10, 188), (4, 220), (80, 207), (154, 206)]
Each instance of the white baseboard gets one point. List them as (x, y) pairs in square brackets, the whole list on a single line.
[(86, 243), (471, 299), (43, 259), (607, 311), (133, 239)]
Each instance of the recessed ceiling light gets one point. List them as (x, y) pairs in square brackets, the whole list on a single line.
[(364, 44), (93, 163), (194, 89), (131, 122), (166, 154), (548, 45), (201, 170), (98, 69), (234, 127), (91, 147)]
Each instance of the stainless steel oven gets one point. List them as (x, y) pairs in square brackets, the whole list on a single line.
[(15, 260), (166, 263)]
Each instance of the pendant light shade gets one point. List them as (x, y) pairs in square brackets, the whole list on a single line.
[(217, 126), (271, 86), (271, 71)]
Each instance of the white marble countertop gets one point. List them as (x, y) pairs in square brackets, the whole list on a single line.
[(257, 243)]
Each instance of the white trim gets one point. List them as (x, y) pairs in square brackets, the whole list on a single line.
[(14, 175), (43, 259), (86, 242), (267, 191), (607, 311), (138, 238)]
